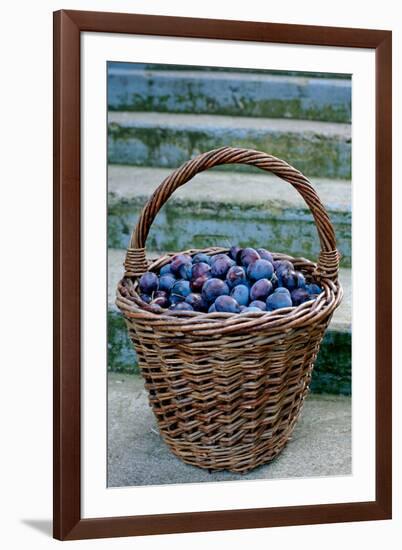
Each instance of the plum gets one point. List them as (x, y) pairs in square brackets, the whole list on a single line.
[(236, 276), (220, 265), (250, 309), (161, 298), (166, 282), (299, 295), (274, 280), (165, 269), (185, 271), (226, 304), (259, 304), (181, 288), (301, 281), (260, 269), (248, 256), (282, 265), (201, 257), (212, 308), (181, 306), (213, 288), (178, 261), (234, 253), (265, 255), (282, 290), (241, 294), (291, 279), (313, 289), (175, 299), (261, 289), (278, 300), (286, 278), (149, 282), (197, 302), (197, 284), (146, 298), (199, 269)]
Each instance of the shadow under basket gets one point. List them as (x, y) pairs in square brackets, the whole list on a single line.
[(227, 389)]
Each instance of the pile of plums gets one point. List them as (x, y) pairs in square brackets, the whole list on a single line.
[(244, 279)]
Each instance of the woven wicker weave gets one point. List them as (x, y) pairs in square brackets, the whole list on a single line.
[(227, 389)]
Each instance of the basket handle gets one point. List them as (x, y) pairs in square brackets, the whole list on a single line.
[(328, 260)]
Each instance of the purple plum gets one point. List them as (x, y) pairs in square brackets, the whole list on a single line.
[(258, 303), (313, 289), (166, 282), (265, 255), (282, 265), (181, 306), (181, 288), (178, 261), (226, 304), (161, 298), (241, 294), (165, 269), (199, 269), (260, 269), (234, 253), (149, 282), (261, 289), (197, 302), (278, 300), (185, 271), (299, 296), (220, 265), (146, 298), (201, 257), (197, 284), (248, 256), (213, 288), (236, 276)]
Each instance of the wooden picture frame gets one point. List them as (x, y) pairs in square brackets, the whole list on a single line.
[(68, 26)]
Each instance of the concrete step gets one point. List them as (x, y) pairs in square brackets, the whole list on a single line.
[(161, 139), (332, 371), (253, 94), (320, 445), (217, 208), (203, 68)]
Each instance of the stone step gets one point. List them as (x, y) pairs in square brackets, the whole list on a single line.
[(203, 68), (332, 372), (217, 208), (234, 93), (167, 140)]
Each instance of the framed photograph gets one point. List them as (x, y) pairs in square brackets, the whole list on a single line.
[(222, 268)]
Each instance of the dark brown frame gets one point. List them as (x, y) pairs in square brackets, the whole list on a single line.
[(68, 26)]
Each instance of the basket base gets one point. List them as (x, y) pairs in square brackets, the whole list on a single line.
[(240, 458)]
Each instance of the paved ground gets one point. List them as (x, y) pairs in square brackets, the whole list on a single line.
[(321, 443)]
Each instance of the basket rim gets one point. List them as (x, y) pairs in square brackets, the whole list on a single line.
[(312, 310)]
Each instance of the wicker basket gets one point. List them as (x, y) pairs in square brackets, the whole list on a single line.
[(227, 389)]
